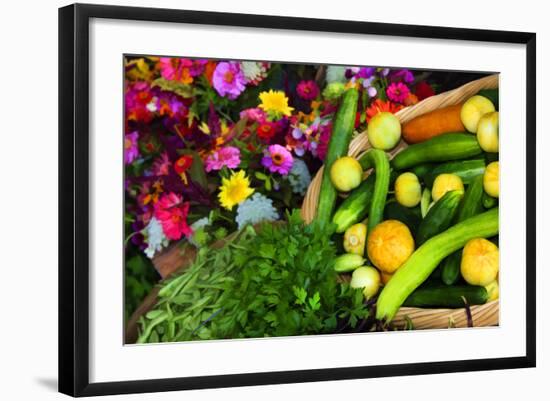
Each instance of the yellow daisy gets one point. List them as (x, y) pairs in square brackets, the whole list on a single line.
[(275, 102), (234, 190)]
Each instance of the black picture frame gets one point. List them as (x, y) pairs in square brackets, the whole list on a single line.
[(74, 194)]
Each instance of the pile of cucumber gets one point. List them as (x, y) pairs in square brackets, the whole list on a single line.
[(430, 277)]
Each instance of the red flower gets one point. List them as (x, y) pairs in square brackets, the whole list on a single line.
[(266, 130), (424, 90), (379, 106), (171, 212), (183, 163)]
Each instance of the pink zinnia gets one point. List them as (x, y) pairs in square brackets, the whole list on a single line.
[(228, 156), (277, 160), (254, 114), (228, 80), (131, 151), (171, 212), (307, 90), (397, 92), (175, 69)]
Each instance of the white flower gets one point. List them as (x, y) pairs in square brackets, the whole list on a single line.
[(254, 72), (299, 177), (155, 238), (152, 105), (336, 73), (256, 209)]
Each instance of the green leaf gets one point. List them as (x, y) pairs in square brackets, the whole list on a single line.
[(260, 176), (197, 171), (267, 251), (184, 90), (154, 314), (300, 294), (314, 302)]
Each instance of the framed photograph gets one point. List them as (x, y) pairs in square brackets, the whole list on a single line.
[(252, 199)]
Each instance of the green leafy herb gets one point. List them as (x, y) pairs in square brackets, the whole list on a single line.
[(277, 280)]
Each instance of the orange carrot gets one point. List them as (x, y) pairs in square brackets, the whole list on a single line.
[(434, 123)]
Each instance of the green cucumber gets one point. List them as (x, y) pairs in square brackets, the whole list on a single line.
[(467, 170), (439, 217), (411, 217), (348, 262), (450, 268), (442, 148), (340, 138), (447, 296), (356, 206), (427, 257), (379, 160), (471, 205), (422, 170)]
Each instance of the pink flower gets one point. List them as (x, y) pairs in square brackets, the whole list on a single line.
[(228, 80), (397, 92), (277, 160), (171, 212), (161, 166), (131, 151), (175, 69), (307, 90), (254, 114), (229, 156)]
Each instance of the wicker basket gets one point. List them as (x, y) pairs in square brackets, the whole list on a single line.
[(482, 315)]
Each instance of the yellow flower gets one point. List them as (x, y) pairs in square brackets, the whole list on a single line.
[(234, 190), (275, 102)]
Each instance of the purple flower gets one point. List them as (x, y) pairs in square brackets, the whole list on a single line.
[(297, 133), (403, 75), (197, 67), (278, 160), (229, 156), (384, 72), (228, 80), (365, 72), (131, 151), (371, 90)]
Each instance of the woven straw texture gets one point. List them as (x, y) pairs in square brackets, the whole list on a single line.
[(482, 315)]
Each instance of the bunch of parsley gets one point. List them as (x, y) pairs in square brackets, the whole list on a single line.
[(287, 285), (277, 280)]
